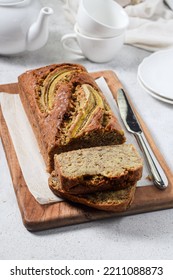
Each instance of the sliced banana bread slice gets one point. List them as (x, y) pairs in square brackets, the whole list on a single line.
[(115, 200), (98, 168)]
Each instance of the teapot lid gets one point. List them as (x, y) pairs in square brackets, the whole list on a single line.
[(10, 2)]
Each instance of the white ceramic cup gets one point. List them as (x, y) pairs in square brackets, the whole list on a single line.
[(101, 18), (98, 50)]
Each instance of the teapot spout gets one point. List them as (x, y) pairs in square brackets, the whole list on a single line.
[(38, 32)]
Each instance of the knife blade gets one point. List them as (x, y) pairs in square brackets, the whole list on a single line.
[(132, 125)]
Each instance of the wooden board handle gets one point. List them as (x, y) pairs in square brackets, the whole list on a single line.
[(9, 88)]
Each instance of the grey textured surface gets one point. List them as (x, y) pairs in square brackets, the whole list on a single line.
[(144, 236)]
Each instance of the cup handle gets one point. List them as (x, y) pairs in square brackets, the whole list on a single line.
[(71, 36)]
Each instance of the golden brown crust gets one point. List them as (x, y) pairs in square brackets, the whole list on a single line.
[(115, 201), (54, 98)]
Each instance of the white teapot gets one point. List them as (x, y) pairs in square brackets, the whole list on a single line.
[(23, 26)]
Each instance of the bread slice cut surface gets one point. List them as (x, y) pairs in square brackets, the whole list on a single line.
[(114, 201), (98, 168)]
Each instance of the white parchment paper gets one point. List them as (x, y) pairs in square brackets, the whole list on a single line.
[(27, 150)]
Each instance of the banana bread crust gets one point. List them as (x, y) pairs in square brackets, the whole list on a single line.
[(67, 110), (112, 200)]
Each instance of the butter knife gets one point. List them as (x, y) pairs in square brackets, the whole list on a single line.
[(131, 123)]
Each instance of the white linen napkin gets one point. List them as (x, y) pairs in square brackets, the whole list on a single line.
[(151, 25), (27, 150)]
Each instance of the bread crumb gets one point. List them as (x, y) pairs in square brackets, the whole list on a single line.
[(149, 177)]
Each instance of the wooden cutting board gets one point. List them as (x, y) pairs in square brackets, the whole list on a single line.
[(40, 217)]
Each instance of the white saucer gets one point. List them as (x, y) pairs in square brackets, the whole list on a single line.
[(156, 74), (153, 94)]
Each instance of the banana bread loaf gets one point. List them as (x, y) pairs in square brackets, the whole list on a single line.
[(99, 168), (115, 200), (67, 110)]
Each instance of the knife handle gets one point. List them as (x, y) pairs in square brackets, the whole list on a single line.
[(159, 182)]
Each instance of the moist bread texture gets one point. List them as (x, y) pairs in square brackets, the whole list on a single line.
[(100, 168), (67, 110), (115, 200)]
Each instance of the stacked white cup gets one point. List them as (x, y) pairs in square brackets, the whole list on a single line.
[(99, 30)]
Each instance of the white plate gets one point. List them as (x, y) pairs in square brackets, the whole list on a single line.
[(156, 73), (153, 94)]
